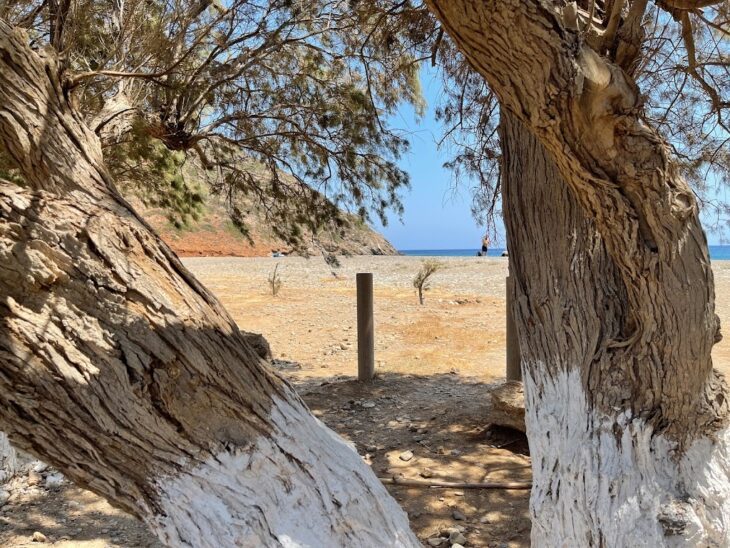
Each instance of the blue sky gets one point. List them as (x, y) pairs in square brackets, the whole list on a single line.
[(437, 215)]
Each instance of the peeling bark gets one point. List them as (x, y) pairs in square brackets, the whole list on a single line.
[(118, 368)]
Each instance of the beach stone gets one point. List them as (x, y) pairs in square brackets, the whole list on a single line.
[(406, 456), (508, 405), (40, 467), (458, 516), (259, 344), (34, 478), (54, 480)]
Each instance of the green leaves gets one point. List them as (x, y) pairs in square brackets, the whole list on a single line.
[(301, 90)]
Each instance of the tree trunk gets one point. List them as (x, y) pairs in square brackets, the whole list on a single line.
[(8, 459), (601, 476), (628, 420), (121, 370)]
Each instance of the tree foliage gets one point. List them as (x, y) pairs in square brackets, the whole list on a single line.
[(270, 99), (677, 51)]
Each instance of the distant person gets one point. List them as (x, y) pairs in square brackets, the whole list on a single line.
[(485, 246)]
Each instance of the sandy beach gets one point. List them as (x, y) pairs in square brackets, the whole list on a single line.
[(461, 325), (425, 416)]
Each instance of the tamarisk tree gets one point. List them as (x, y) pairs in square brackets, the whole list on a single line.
[(606, 111), (268, 98), (116, 365)]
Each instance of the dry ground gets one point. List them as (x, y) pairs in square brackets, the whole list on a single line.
[(435, 364)]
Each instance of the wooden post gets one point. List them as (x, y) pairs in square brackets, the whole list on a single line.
[(514, 371), (365, 328)]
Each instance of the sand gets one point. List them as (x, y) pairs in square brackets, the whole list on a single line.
[(435, 364)]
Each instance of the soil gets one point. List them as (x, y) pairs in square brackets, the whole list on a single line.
[(435, 366)]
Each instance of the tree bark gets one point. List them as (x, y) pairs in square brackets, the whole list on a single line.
[(118, 368), (601, 477), (628, 420), (8, 459)]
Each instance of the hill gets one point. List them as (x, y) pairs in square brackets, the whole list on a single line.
[(214, 234)]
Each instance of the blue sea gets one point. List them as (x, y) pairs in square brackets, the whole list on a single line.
[(717, 252)]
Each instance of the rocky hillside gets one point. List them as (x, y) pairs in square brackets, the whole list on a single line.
[(215, 235)]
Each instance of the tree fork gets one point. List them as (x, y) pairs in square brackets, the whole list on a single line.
[(121, 370)]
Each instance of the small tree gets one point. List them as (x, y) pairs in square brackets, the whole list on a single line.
[(420, 282), (275, 281)]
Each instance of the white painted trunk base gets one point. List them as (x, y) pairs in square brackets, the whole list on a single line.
[(302, 487), (8, 459), (605, 481)]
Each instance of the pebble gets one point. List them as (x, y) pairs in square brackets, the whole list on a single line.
[(4, 497), (456, 538), (40, 467), (39, 537), (457, 545), (435, 541), (54, 480), (426, 474), (368, 404), (34, 478), (406, 456), (458, 516)]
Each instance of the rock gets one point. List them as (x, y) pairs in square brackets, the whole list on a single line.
[(435, 541), (457, 545), (40, 467), (259, 344), (343, 346), (406, 456), (367, 404), (34, 478), (54, 480), (508, 405), (426, 474), (456, 538), (458, 516), (39, 537), (4, 497)]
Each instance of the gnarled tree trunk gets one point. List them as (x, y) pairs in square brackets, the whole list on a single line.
[(120, 369), (628, 421), (602, 476)]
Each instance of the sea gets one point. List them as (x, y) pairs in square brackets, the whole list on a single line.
[(717, 252)]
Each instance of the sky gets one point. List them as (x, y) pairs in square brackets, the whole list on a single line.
[(437, 215)]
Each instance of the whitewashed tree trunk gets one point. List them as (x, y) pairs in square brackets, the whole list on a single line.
[(8, 459), (602, 476), (118, 368)]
